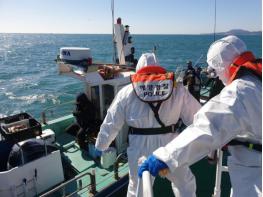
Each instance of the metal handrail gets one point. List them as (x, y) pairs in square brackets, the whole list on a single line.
[(118, 171), (220, 168), (144, 187), (63, 185), (116, 166), (50, 109), (147, 184)]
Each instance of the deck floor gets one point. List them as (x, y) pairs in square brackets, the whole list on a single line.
[(81, 163)]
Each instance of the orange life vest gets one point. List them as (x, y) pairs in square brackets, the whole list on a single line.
[(153, 84), (245, 61)]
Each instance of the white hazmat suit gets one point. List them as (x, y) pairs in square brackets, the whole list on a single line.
[(235, 113), (127, 108)]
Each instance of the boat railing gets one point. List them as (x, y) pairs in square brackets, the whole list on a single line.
[(56, 111), (119, 158), (91, 186), (144, 187), (147, 188), (220, 168)]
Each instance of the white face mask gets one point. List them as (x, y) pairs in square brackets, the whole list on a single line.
[(223, 75), (215, 64)]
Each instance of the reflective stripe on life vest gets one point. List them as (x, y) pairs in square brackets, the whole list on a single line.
[(153, 84), (248, 61)]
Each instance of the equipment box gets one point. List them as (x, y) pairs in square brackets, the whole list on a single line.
[(19, 127)]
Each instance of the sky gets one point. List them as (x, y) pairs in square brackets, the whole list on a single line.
[(143, 16)]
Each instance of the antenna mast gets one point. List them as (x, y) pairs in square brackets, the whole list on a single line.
[(215, 22), (113, 33)]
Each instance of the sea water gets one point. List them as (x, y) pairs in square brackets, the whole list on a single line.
[(29, 79)]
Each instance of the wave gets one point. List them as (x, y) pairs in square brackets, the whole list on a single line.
[(9, 94), (29, 99)]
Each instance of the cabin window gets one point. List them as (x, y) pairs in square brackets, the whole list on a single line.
[(108, 96), (95, 99)]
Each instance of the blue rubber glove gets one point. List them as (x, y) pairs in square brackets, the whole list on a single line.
[(98, 153), (153, 165)]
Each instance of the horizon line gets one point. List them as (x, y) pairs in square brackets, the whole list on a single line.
[(71, 33)]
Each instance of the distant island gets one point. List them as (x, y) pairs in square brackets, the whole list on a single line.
[(240, 32)]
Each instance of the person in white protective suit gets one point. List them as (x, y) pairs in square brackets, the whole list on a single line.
[(148, 131), (236, 113)]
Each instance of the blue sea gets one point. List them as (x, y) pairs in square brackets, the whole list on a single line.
[(29, 79)]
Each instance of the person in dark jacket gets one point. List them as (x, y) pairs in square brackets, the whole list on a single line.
[(192, 81), (31, 149), (86, 122), (216, 86)]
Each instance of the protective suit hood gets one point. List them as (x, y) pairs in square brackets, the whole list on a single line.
[(222, 53), (147, 59)]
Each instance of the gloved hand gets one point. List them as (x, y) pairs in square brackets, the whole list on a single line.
[(98, 153), (153, 165)]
